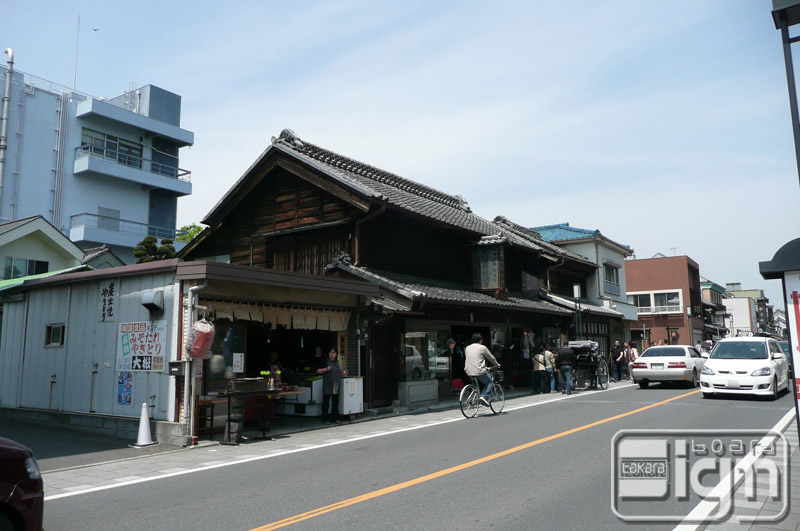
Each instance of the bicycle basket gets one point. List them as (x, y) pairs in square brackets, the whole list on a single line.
[(498, 375)]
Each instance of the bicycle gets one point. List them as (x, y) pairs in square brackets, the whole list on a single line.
[(470, 397)]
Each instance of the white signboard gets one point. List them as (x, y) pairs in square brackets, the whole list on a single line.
[(238, 362), (107, 301), (791, 283), (142, 346)]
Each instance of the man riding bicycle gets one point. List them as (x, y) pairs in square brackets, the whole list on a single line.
[(475, 365)]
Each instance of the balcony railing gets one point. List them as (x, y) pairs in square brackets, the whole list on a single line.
[(612, 287), (135, 161), (124, 226), (658, 309)]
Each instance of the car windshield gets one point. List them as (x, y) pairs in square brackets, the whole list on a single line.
[(740, 350), (663, 351)]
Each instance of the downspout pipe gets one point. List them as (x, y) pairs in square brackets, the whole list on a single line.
[(4, 120), (188, 372)]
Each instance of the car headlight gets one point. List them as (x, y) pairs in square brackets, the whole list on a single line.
[(707, 370), (764, 371), (32, 467)]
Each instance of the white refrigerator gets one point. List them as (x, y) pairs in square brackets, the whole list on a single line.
[(351, 395)]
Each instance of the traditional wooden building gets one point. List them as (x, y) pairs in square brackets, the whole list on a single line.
[(443, 271)]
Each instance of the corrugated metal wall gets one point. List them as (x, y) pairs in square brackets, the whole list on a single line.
[(89, 345)]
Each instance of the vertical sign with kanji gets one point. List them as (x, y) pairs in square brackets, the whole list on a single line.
[(791, 283), (107, 301), (142, 346)]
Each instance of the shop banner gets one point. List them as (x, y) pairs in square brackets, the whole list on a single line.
[(791, 283), (142, 346)]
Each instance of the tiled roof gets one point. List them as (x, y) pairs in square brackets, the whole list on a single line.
[(445, 292), (94, 252), (11, 225), (408, 195), (563, 232)]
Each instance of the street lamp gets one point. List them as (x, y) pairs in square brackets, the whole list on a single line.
[(786, 13)]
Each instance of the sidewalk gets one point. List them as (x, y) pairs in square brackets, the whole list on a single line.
[(765, 507), (209, 454)]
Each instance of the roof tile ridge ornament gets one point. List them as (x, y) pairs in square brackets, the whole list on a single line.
[(290, 139), (515, 227), (342, 259)]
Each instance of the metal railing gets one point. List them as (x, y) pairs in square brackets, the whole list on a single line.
[(124, 226), (612, 287), (658, 309), (135, 161)]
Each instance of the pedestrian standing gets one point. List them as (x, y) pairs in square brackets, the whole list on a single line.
[(539, 373), (617, 353), (332, 374), (566, 361), (550, 369), (633, 355), (625, 360)]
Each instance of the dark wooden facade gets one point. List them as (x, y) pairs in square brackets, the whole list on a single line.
[(292, 218)]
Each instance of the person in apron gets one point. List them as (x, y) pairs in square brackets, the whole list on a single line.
[(331, 382)]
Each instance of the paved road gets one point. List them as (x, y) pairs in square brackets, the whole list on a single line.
[(560, 481)]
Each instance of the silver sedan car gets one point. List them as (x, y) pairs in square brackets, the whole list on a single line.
[(668, 363)]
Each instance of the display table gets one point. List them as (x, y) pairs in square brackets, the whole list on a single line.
[(265, 394)]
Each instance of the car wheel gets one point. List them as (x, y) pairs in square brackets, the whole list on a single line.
[(694, 379), (643, 384), (708, 395)]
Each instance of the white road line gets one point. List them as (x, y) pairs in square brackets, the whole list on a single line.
[(726, 487), (240, 461)]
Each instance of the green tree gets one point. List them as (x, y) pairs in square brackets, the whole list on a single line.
[(189, 232), (148, 250)]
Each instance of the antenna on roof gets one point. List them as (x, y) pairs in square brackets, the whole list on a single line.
[(673, 250)]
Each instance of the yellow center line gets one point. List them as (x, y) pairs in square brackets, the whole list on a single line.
[(400, 486)]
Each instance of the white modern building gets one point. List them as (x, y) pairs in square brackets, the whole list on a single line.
[(742, 316), (102, 171)]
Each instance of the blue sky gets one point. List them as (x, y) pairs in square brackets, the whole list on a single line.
[(664, 124)]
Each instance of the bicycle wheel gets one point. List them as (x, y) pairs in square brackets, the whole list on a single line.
[(602, 374), (469, 401), (498, 399)]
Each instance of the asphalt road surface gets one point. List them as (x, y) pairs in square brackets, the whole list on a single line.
[(541, 467)]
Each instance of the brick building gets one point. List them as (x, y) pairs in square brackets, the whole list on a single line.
[(666, 291)]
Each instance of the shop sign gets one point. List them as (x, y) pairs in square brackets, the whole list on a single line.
[(142, 346), (791, 283), (238, 362), (107, 301)]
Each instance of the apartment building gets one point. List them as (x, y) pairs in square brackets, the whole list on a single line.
[(763, 318), (102, 171), (666, 291)]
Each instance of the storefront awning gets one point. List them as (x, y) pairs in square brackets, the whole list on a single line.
[(584, 306), (203, 270), (289, 316)]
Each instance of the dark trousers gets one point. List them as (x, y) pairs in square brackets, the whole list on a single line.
[(538, 381), (618, 370), (327, 401)]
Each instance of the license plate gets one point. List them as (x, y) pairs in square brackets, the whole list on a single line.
[(734, 384), (657, 366)]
